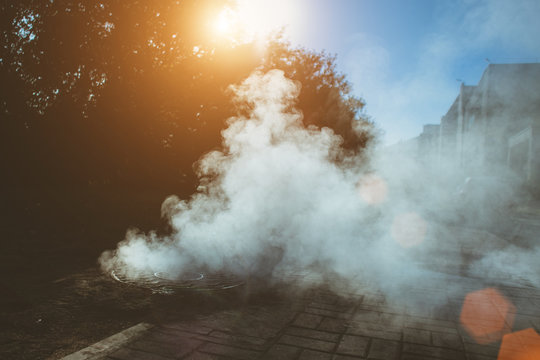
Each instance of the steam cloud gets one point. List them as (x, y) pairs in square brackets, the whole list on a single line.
[(274, 204)]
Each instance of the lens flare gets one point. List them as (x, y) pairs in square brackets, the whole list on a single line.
[(487, 315), (520, 345), (372, 189)]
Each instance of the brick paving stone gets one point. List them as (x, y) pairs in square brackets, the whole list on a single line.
[(480, 357), (259, 321), (351, 299), (255, 327), (221, 320), (203, 356), (436, 352), (391, 326), (131, 354), (307, 343), (532, 319), (411, 321), (535, 322), (176, 349), (524, 305), (452, 341), (536, 301), (383, 350), (167, 335), (391, 309), (353, 345), (478, 323), (424, 312), (445, 313), (282, 352), (481, 349), (374, 330), (238, 338), (328, 313), (188, 327), (375, 308), (374, 299), (229, 351), (417, 336), (365, 315), (230, 342), (457, 305), (345, 308), (333, 325), (314, 334), (425, 292), (441, 329), (415, 357), (307, 320), (346, 357), (391, 319), (315, 355), (493, 339), (242, 341), (260, 330), (325, 298), (523, 321), (397, 307)]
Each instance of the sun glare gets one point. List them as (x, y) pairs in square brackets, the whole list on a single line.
[(225, 22), (251, 20)]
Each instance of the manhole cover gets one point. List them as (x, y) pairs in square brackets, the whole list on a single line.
[(165, 283)]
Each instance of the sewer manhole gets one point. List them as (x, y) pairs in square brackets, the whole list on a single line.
[(165, 283)]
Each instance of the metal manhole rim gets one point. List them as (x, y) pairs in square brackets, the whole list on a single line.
[(159, 283)]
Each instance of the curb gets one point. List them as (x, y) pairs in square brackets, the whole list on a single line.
[(108, 345)]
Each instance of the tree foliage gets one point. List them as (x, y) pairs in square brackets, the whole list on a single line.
[(325, 99), (131, 93)]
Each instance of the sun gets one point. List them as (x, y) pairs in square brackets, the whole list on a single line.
[(225, 22), (248, 20)]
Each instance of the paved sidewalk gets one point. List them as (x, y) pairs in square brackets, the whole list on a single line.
[(322, 325), (483, 320)]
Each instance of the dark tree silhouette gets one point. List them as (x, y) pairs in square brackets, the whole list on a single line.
[(325, 99), (101, 101)]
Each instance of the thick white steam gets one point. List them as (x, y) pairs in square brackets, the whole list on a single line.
[(273, 204)]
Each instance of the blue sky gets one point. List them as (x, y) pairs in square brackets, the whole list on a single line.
[(406, 58)]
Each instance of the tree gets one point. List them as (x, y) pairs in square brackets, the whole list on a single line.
[(129, 94), (119, 82), (326, 99)]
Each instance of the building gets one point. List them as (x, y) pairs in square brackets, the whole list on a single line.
[(494, 126), (428, 143)]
